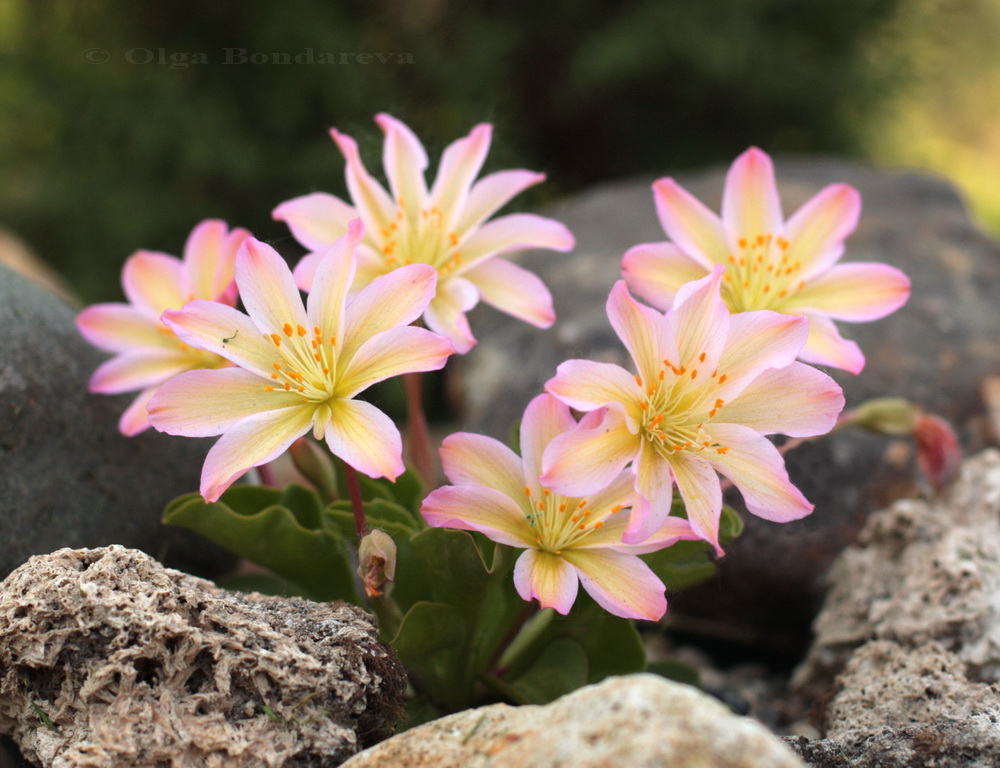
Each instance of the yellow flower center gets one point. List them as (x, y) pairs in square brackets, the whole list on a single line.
[(761, 275), (677, 406), (199, 358), (303, 363), (559, 522), (419, 239)]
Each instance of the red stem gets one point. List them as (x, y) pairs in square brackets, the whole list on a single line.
[(418, 436), (354, 489)]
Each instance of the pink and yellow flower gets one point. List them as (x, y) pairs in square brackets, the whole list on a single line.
[(443, 227), (299, 368), (567, 540), (708, 386), (789, 267), (147, 353)]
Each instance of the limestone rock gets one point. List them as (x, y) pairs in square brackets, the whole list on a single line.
[(935, 351), (922, 571), (69, 478), (638, 721), (887, 685), (109, 660)]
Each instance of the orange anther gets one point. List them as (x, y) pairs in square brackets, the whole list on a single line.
[(300, 330), (722, 378), (287, 328)]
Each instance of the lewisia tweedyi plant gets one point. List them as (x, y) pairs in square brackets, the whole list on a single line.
[(567, 540), (445, 226), (147, 353), (298, 369), (467, 580), (786, 266), (708, 386)]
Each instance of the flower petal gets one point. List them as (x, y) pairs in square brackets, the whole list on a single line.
[(757, 469), (470, 459), (750, 202), (210, 259), (547, 577), (376, 206), (689, 224), (120, 327), (460, 163), (816, 232), (390, 353), (490, 194), (138, 369), (514, 232), (702, 494), (316, 220), (446, 312), (267, 288), (758, 340), (135, 420), (645, 333), (654, 484), (256, 440), (672, 530), (700, 322), (798, 401), (586, 385), (544, 419), (656, 271), (398, 298), (621, 584), (153, 282), (855, 291), (513, 290), (331, 282), (825, 346), (207, 402), (590, 457), (225, 331), (364, 437), (474, 508), (404, 160)]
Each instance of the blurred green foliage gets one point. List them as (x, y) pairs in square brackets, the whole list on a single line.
[(100, 158)]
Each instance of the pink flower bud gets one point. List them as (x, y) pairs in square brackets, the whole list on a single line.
[(938, 452)]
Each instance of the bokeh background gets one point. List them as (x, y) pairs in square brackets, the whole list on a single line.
[(123, 123)]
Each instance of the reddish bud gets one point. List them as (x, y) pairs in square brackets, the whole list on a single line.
[(938, 452)]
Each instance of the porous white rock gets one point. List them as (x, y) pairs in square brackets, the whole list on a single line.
[(110, 660), (636, 721)]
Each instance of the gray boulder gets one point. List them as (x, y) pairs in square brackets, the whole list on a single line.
[(69, 478)]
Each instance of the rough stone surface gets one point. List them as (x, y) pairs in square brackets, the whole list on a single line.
[(887, 685), (906, 661), (109, 660), (934, 351), (922, 572), (69, 478), (639, 721)]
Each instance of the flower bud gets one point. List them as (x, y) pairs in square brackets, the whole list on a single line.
[(938, 452), (377, 562), (885, 415)]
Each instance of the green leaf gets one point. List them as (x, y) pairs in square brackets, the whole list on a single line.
[(409, 491), (675, 670), (288, 541), (561, 668), (613, 647), (428, 628), (265, 583)]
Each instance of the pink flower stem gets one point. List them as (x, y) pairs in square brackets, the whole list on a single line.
[(418, 436), (354, 489)]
